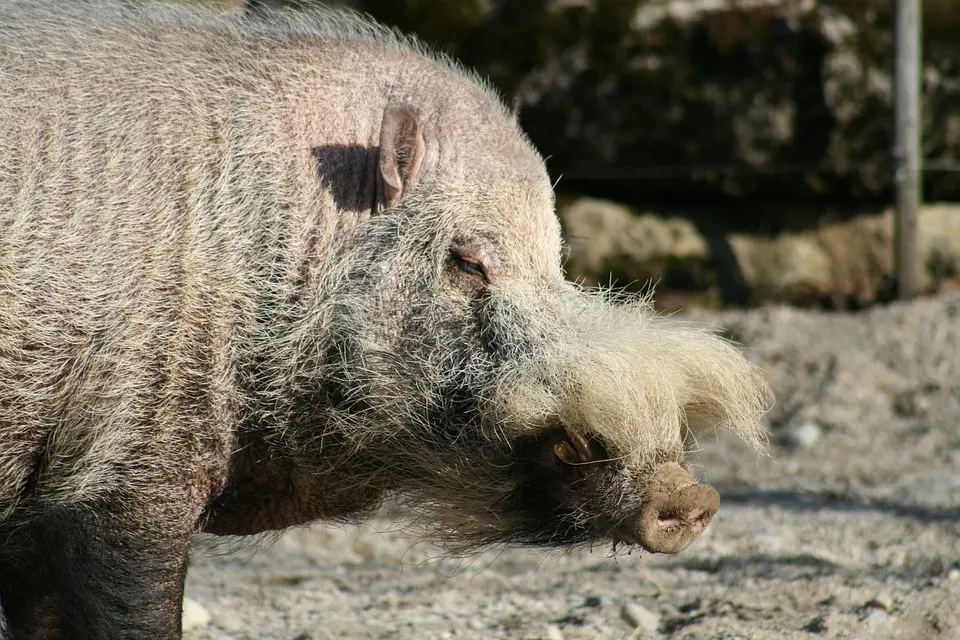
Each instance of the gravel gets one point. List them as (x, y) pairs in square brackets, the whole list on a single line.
[(851, 533), (639, 617), (195, 615)]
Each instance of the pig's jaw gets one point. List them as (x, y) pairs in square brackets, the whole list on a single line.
[(590, 493)]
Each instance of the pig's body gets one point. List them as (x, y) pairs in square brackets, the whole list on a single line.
[(169, 194), (252, 277)]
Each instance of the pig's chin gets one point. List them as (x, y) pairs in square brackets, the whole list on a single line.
[(573, 495)]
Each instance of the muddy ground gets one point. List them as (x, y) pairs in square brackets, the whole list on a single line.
[(849, 529)]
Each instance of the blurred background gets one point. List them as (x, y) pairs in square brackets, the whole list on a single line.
[(733, 153)]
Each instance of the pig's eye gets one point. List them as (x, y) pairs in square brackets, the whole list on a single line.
[(470, 266)]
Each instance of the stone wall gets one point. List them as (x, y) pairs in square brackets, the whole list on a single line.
[(839, 265)]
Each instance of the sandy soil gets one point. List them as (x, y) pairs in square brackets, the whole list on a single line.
[(850, 529)]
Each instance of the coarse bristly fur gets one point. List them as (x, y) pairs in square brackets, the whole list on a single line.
[(256, 273)]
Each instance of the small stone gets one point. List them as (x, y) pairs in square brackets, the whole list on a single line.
[(768, 542), (803, 436), (231, 623), (882, 600), (954, 574), (911, 403), (638, 616), (898, 559), (194, 615), (876, 616), (554, 633)]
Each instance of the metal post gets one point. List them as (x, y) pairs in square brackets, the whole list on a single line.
[(907, 157)]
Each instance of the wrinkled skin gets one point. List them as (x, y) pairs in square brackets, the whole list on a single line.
[(255, 278)]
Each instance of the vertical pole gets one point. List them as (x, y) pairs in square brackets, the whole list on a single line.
[(907, 157)]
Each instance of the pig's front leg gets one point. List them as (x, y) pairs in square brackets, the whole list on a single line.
[(88, 573)]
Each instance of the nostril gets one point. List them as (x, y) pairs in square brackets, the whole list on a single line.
[(669, 519), (695, 517)]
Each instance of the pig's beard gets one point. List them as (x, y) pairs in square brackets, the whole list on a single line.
[(644, 386), (455, 410)]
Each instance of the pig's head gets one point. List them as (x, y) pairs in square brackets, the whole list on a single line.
[(506, 403)]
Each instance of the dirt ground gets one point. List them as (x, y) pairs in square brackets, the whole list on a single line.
[(849, 529)]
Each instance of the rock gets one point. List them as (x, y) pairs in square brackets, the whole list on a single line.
[(844, 265), (232, 623), (876, 616), (195, 615), (575, 599), (638, 616), (911, 403), (553, 632), (803, 436), (768, 543), (610, 241), (882, 600)]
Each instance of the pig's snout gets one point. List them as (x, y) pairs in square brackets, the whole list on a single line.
[(676, 511), (673, 508)]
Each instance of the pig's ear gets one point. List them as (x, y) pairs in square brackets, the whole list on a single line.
[(401, 152)]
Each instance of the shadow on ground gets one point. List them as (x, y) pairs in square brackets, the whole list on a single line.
[(831, 500)]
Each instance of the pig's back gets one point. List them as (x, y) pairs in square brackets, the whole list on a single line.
[(143, 189)]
